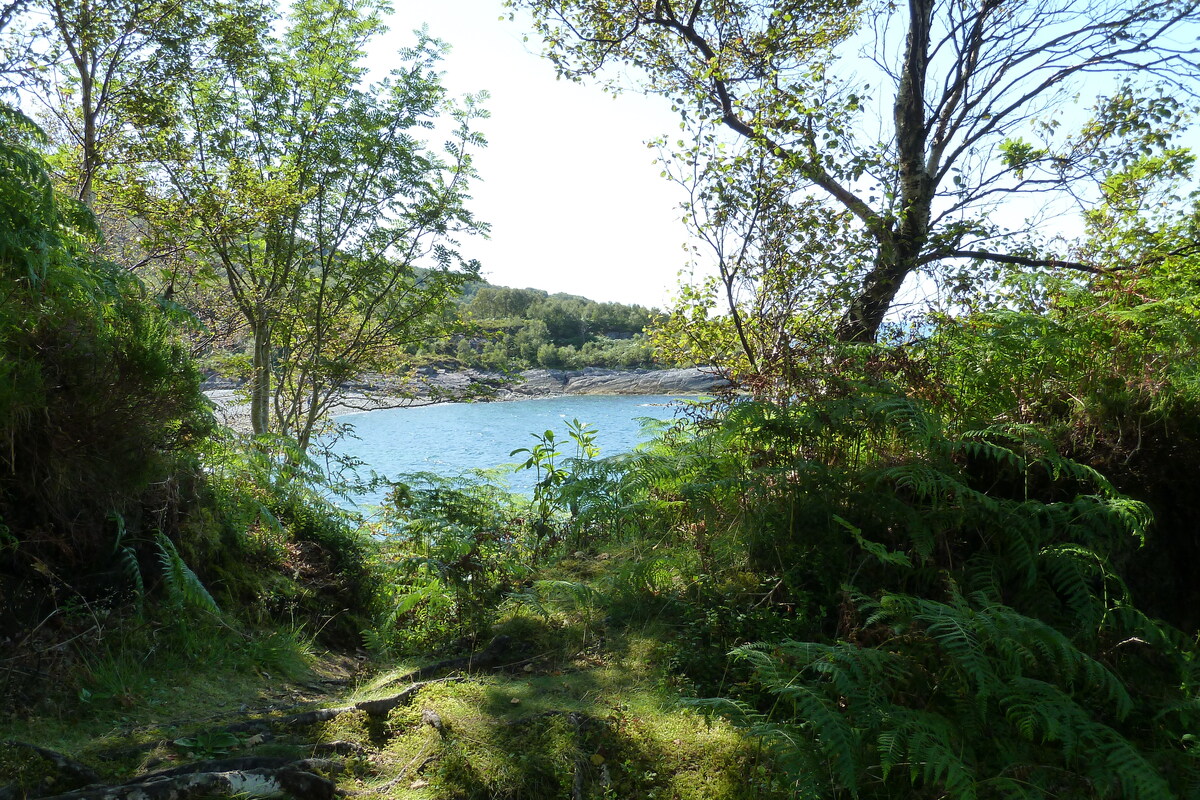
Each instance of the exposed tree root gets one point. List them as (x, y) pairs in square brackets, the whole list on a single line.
[(290, 780), (263, 777), (491, 656), (264, 725), (267, 777), (241, 764), (376, 708), (67, 767), (246, 776), (67, 771)]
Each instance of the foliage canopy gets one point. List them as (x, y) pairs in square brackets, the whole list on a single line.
[(316, 200), (911, 123)]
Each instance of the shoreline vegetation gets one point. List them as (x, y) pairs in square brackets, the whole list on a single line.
[(431, 385)]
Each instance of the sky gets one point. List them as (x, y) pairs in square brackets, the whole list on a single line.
[(569, 186)]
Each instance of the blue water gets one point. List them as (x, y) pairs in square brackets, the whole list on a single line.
[(453, 438)]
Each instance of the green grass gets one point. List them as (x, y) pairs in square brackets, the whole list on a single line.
[(605, 710), (139, 681)]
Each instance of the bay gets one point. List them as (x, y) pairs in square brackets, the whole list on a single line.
[(452, 438)]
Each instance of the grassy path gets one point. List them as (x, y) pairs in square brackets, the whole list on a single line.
[(567, 708)]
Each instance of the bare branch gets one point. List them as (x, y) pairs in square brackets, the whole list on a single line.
[(1021, 261)]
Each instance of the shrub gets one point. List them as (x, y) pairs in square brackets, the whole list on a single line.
[(99, 399)]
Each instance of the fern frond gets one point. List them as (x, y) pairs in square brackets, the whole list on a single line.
[(885, 556), (574, 594), (183, 587), (133, 572), (832, 730), (1071, 571), (933, 752)]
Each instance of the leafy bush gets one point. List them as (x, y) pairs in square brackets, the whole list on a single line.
[(1108, 370), (99, 403), (111, 485), (265, 532), (452, 549)]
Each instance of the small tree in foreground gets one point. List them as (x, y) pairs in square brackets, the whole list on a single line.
[(331, 222)]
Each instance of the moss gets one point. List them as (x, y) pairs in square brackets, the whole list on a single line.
[(525, 735), (352, 726), (27, 771)]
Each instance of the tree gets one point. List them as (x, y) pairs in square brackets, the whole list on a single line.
[(526, 342), (607, 318), (772, 297), (313, 197), (563, 317), (502, 302), (14, 48), (109, 65), (95, 72), (969, 115)]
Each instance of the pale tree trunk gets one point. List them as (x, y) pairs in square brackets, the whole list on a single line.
[(84, 58), (87, 195), (310, 418), (260, 376)]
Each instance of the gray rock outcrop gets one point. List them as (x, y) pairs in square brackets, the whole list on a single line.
[(594, 380)]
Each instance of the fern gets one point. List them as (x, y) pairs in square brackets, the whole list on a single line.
[(128, 561), (864, 712), (133, 572), (932, 750), (543, 596), (968, 633), (183, 587)]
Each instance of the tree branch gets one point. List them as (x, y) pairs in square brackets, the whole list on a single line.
[(1022, 261)]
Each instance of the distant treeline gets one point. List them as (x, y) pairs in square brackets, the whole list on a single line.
[(526, 328)]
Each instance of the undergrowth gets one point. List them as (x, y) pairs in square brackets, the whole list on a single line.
[(908, 610)]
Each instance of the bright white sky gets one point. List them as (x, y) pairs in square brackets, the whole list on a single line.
[(569, 186)]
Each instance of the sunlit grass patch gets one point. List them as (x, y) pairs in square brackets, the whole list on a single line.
[(612, 727)]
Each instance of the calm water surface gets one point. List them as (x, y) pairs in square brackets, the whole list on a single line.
[(453, 438)]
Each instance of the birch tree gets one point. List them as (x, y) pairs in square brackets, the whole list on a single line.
[(919, 119), (106, 67)]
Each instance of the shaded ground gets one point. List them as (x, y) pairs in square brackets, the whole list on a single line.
[(558, 705)]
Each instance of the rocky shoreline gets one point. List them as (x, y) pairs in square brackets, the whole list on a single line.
[(431, 385), (594, 380)]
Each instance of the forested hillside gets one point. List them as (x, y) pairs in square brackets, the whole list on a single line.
[(524, 328), (935, 541)]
